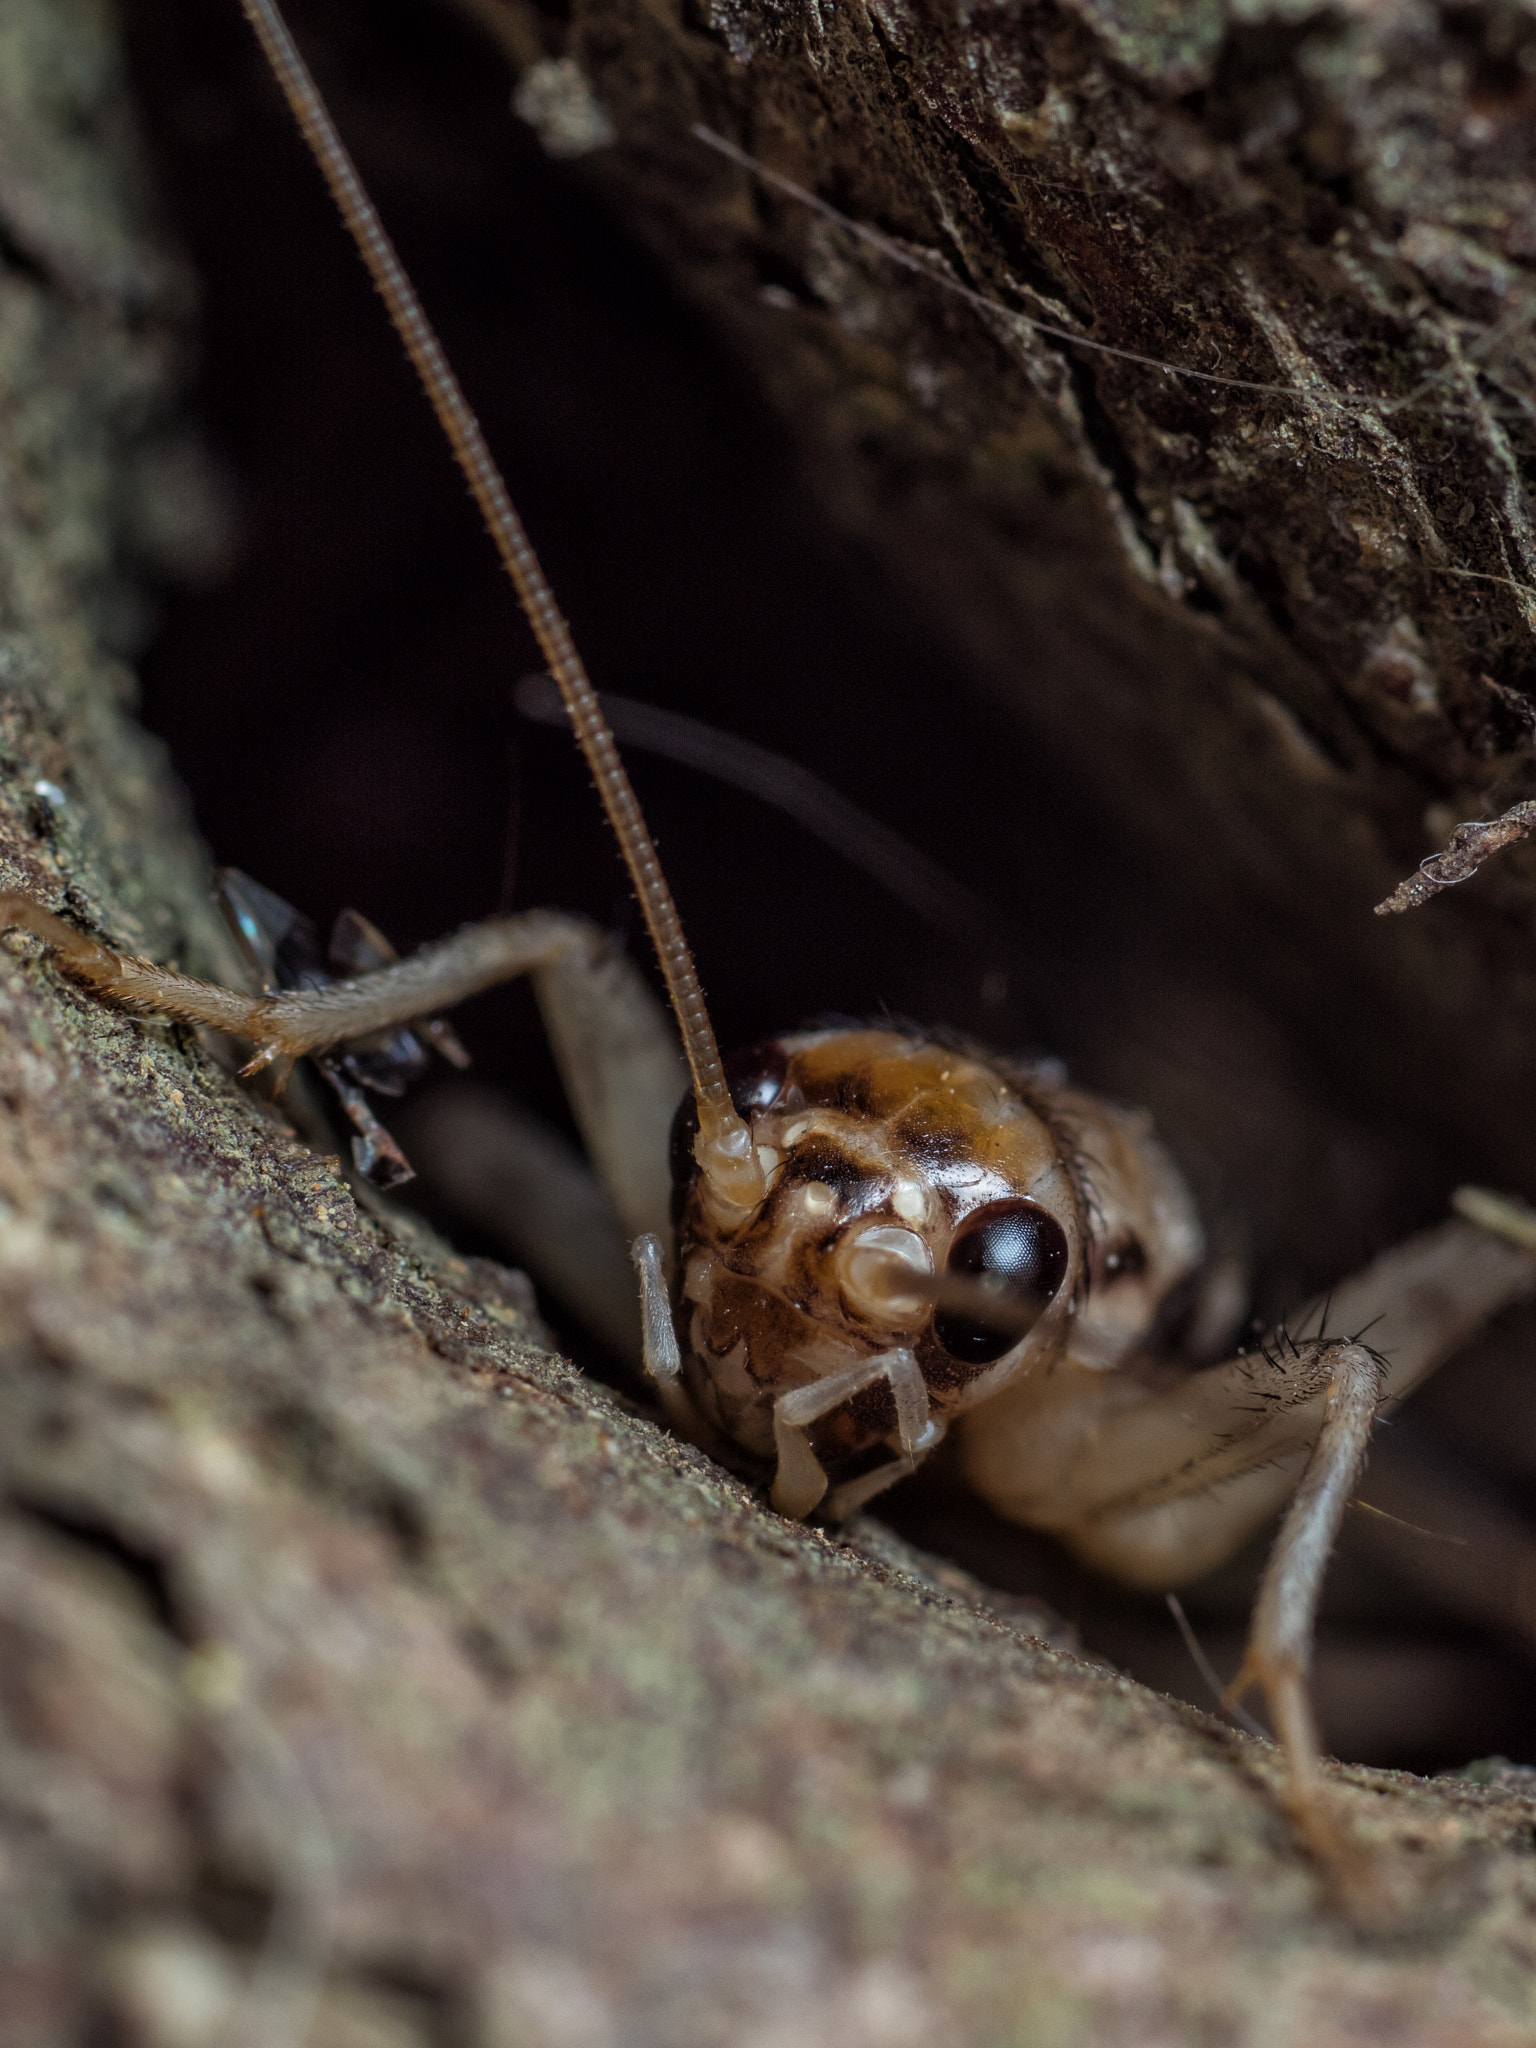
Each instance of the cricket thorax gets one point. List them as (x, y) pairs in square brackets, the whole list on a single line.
[(895, 1164)]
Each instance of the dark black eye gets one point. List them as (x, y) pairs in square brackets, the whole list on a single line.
[(1013, 1242), (756, 1075)]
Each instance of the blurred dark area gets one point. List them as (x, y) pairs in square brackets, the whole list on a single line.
[(339, 704)]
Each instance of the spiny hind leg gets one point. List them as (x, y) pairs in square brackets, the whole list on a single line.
[(1157, 1485), (1331, 1392), (1279, 1654), (800, 1481)]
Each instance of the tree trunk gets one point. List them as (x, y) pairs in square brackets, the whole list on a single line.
[(370, 1676), (1253, 560)]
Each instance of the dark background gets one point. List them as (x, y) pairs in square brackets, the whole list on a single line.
[(338, 702)]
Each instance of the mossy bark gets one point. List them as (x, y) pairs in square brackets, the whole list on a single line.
[(369, 1676)]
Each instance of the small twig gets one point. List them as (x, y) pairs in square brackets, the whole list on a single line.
[(1471, 844), (1482, 576)]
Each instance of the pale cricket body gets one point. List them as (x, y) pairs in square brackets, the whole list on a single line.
[(866, 1239)]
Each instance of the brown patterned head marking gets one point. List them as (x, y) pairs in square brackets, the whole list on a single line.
[(886, 1155)]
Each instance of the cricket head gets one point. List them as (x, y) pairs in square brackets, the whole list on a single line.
[(913, 1194)]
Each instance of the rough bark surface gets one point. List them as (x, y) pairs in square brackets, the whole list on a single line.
[(1272, 600), (369, 1677)]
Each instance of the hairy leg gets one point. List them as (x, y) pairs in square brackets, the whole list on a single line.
[(1157, 1482), (1279, 1655), (1330, 1393)]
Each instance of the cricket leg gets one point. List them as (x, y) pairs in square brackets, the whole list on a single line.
[(663, 1359), (800, 1481), (1316, 1402), (284, 1025), (619, 1057), (624, 1076), (137, 984), (1279, 1654), (528, 1187), (616, 1050), (1157, 1483)]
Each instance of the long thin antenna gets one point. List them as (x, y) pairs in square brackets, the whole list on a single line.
[(905, 872), (724, 1146), (1207, 1671)]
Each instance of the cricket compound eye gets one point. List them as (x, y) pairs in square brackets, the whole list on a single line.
[(757, 1076), (1019, 1249)]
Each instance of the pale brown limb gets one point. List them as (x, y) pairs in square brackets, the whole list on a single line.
[(663, 1359), (800, 1481), (624, 1074), (1471, 844), (1158, 1484), (1279, 1653), (138, 984), (527, 1186), (287, 1025)]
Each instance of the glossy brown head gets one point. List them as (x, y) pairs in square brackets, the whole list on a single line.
[(893, 1166)]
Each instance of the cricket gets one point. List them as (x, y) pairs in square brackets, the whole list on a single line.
[(851, 1243)]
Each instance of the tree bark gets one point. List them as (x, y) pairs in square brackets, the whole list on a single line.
[(1254, 561), (369, 1676)]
